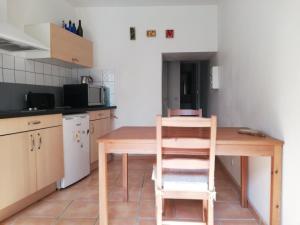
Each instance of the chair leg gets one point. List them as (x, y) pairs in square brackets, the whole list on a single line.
[(210, 213), (159, 208), (204, 210)]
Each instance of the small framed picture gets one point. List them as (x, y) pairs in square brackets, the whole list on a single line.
[(132, 33), (170, 33), (151, 33)]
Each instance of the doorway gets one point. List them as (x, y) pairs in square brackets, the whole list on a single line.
[(185, 85), (189, 85)]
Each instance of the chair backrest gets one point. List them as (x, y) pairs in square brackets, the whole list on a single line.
[(184, 112), (186, 144)]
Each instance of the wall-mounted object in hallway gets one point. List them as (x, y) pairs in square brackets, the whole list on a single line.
[(214, 79), (169, 34), (132, 34), (151, 33)]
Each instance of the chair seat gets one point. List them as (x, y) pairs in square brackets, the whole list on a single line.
[(183, 180)]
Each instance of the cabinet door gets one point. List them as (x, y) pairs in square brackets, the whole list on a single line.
[(49, 156), (17, 167), (71, 48), (96, 130)]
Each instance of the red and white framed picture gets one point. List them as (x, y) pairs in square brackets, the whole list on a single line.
[(170, 33)]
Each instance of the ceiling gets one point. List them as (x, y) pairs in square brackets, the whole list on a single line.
[(188, 56), (99, 3)]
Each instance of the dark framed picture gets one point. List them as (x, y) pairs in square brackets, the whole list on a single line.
[(170, 33), (151, 33), (132, 34)]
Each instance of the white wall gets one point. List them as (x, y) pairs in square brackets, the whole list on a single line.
[(259, 58), (22, 12), (138, 64)]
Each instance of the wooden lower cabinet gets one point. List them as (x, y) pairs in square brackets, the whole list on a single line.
[(17, 167), (49, 156), (29, 162), (98, 128)]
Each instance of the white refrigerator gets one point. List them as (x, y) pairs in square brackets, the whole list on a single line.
[(76, 148)]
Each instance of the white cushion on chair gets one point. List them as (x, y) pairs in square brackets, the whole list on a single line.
[(183, 180)]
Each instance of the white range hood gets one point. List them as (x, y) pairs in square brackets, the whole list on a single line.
[(13, 39)]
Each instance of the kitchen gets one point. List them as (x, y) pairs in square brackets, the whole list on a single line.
[(119, 64)]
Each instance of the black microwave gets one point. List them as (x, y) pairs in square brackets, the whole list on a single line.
[(84, 95)]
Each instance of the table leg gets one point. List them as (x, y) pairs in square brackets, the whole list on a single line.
[(103, 203), (276, 176), (244, 181), (125, 176)]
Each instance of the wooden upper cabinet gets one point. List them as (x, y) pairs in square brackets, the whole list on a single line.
[(71, 48), (65, 47)]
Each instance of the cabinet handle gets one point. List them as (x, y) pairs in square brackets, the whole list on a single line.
[(36, 122), (32, 142), (40, 141), (75, 60), (114, 117)]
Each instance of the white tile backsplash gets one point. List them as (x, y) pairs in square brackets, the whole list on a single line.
[(39, 79), (47, 69), (55, 70), (0, 60), (47, 80), (110, 85), (29, 66), (30, 78), (55, 81), (61, 71), (8, 61), (8, 76), (38, 67), (1, 75), (62, 81), (20, 77), (19, 63), (19, 70)]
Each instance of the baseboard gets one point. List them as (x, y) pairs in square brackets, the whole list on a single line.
[(22, 204), (257, 216)]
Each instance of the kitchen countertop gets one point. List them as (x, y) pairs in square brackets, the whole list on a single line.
[(64, 111)]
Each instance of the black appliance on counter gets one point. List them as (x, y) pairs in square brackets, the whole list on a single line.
[(85, 95), (38, 101)]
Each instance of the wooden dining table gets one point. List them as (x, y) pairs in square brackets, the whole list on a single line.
[(142, 141)]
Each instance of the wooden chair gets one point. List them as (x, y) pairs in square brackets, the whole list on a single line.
[(184, 112), (185, 178)]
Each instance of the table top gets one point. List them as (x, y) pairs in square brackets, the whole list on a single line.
[(225, 136)]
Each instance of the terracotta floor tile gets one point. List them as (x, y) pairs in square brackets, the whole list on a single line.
[(76, 222), (227, 195), (231, 211), (78, 204), (147, 209), (235, 222), (188, 209), (147, 222), (123, 222), (34, 221), (46, 209), (64, 194), (127, 210), (82, 209), (9, 221), (89, 194)]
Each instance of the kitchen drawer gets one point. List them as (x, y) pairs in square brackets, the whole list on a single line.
[(21, 124), (100, 114)]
